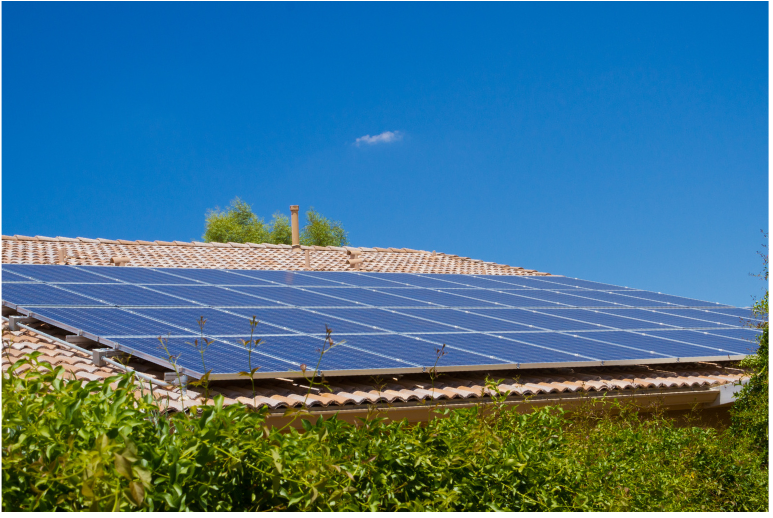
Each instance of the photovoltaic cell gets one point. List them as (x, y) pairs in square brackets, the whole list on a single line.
[(387, 320), (305, 351), (705, 316), (9, 276), (54, 273), (415, 280), (127, 295), (539, 319), (705, 339), (216, 322), (512, 352), (589, 349), (357, 296), (651, 341), (107, 322), (474, 282), (568, 282), (737, 333), (603, 318), (669, 300), (217, 277), (457, 318), (355, 279), (221, 357), (649, 316), (133, 275), (43, 294), (214, 296), (501, 299), (300, 320), (287, 278), (438, 298), (416, 352), (299, 297)]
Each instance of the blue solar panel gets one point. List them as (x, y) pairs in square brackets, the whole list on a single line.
[(300, 320), (603, 318), (390, 322), (744, 313), (416, 351), (510, 351), (464, 320), (9, 276), (221, 357), (670, 300), (44, 294), (387, 320), (346, 356), (301, 297), (107, 322), (128, 295), (737, 333), (217, 277), (706, 339), (502, 298), (287, 278), (355, 279), (410, 279), (592, 350), (568, 282), (663, 342), (540, 320), (713, 318), (437, 298), (133, 275), (362, 296), (475, 282), (216, 322), (648, 316), (54, 273), (214, 296)]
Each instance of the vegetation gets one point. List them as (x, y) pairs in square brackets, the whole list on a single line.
[(238, 224), (750, 411)]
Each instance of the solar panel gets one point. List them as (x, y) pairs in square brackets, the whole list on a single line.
[(389, 323)]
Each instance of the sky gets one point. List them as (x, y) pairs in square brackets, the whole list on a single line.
[(622, 143)]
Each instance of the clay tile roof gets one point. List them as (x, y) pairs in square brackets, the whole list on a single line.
[(252, 256)]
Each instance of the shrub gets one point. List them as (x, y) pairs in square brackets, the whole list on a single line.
[(69, 445)]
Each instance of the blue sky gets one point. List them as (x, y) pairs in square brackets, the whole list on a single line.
[(623, 143)]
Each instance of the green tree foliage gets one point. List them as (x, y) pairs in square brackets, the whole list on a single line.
[(320, 231), (238, 223), (750, 411), (70, 446)]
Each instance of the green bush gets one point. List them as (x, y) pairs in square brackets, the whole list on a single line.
[(238, 224), (69, 445)]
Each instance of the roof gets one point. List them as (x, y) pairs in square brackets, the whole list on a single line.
[(242, 256), (360, 392)]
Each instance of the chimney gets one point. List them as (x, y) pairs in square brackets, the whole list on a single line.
[(294, 223)]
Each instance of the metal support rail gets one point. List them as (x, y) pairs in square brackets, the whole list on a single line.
[(114, 363)]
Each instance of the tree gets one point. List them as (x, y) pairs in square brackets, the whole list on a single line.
[(320, 231), (750, 410), (237, 223)]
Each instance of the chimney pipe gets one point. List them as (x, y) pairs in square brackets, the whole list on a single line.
[(294, 222)]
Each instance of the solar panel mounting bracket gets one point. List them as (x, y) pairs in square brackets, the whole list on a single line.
[(14, 321), (98, 355)]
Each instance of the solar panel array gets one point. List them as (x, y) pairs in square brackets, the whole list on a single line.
[(381, 322)]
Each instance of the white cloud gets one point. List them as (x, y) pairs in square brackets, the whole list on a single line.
[(387, 136)]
